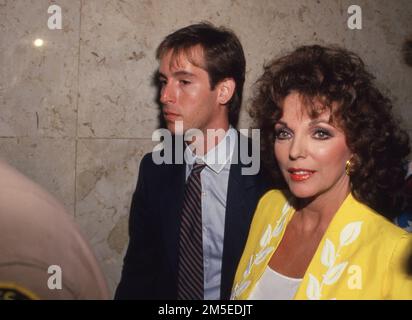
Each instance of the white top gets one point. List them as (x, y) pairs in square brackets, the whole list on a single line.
[(275, 286)]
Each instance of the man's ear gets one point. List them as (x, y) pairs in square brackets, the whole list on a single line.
[(226, 89)]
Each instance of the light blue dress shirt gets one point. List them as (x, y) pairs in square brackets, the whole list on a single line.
[(215, 179)]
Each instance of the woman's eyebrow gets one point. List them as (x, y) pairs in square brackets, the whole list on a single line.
[(317, 121), (281, 123)]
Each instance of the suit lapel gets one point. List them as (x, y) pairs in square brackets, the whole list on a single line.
[(173, 182)]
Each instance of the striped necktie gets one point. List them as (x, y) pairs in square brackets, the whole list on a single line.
[(190, 268)]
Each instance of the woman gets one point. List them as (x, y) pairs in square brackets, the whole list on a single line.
[(329, 133)]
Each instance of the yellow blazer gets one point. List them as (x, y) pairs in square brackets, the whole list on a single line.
[(361, 255)]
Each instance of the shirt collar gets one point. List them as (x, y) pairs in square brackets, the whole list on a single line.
[(217, 157)]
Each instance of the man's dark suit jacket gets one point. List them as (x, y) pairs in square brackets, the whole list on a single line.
[(150, 264)]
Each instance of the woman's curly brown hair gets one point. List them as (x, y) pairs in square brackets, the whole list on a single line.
[(336, 76)]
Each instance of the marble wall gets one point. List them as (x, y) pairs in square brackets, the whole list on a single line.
[(77, 114)]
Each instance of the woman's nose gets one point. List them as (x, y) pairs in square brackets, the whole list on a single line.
[(298, 148)]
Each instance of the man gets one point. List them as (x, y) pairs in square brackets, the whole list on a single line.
[(201, 77), (43, 255)]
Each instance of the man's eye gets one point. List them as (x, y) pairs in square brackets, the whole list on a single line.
[(162, 82), (184, 82)]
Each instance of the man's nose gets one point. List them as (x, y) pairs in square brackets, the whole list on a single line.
[(167, 94)]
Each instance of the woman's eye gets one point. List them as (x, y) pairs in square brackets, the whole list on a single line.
[(282, 134), (321, 134)]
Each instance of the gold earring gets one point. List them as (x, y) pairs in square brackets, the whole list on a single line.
[(348, 166)]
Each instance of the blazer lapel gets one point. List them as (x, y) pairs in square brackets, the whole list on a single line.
[(173, 182)]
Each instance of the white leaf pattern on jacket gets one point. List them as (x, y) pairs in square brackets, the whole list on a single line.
[(313, 289), (328, 258), (334, 273), (350, 233), (261, 256), (328, 254)]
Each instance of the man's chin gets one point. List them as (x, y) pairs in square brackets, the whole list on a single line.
[(175, 128)]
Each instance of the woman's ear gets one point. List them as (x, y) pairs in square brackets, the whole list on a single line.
[(226, 89)]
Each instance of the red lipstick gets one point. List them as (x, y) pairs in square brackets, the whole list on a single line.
[(299, 174)]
